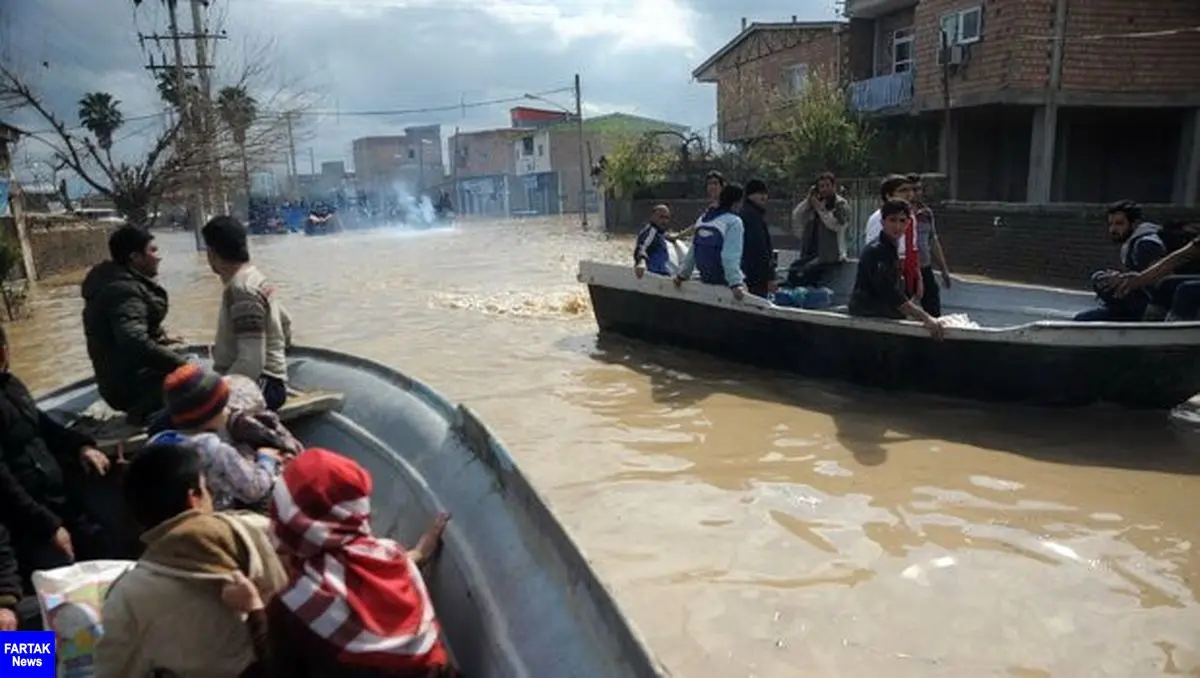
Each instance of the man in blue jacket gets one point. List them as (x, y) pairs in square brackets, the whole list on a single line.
[(650, 250), (717, 246)]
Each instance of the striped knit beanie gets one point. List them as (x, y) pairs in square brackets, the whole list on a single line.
[(194, 396)]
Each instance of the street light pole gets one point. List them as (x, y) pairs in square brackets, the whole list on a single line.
[(583, 174)]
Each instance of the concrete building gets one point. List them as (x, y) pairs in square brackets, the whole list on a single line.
[(766, 58), (483, 168), (413, 159), (1045, 104)]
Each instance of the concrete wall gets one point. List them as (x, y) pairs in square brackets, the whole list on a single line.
[(60, 245), (1058, 244)]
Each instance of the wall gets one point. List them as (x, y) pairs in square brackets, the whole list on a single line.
[(483, 153), (738, 112), (882, 34), (539, 160), (1048, 244), (60, 245)]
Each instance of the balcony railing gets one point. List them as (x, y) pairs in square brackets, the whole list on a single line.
[(883, 92)]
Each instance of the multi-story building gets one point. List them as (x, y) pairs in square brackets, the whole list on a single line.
[(483, 168), (411, 161), (766, 58), (1041, 100)]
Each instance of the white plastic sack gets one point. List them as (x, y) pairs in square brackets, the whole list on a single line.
[(959, 320), (70, 599)]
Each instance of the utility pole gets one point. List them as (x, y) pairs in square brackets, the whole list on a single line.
[(312, 161), (193, 139), (583, 175), (210, 177), (293, 180)]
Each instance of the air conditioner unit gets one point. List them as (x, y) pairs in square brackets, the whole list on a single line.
[(958, 55)]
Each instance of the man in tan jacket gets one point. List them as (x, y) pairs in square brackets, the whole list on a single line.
[(165, 616)]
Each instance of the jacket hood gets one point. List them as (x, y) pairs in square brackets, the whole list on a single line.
[(197, 544), (104, 274)]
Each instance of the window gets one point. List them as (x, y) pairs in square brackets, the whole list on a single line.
[(902, 50), (527, 146), (541, 150), (794, 77), (411, 154), (962, 27)]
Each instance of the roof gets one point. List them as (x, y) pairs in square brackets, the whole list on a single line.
[(702, 71), (623, 123)]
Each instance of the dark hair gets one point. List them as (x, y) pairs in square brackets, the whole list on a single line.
[(894, 206), (730, 194), (827, 175), (913, 178), (158, 482), (714, 174), (891, 183), (226, 237), (756, 186), (1131, 210), (127, 241)]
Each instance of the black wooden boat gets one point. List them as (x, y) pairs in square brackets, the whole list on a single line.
[(1027, 349)]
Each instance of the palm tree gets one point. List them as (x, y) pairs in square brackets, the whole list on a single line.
[(238, 110), (174, 87), (101, 115)]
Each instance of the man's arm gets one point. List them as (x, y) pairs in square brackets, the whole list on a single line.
[(131, 324), (686, 266), (65, 443), (1161, 269), (731, 253), (249, 312), (10, 578), (836, 218), (640, 250), (20, 508)]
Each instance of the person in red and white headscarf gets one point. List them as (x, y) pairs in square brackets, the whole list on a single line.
[(356, 605)]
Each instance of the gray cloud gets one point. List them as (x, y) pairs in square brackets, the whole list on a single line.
[(634, 55)]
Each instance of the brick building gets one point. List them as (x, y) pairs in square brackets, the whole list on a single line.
[(483, 169), (1049, 100), (774, 56)]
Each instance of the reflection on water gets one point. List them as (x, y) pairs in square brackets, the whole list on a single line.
[(752, 524)]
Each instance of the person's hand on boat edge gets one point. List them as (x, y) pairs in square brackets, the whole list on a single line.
[(936, 329), (430, 543), (94, 461), (62, 541), (241, 594), (639, 270), (946, 279), (8, 620), (739, 292)]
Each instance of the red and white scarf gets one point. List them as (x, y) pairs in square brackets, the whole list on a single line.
[(363, 594)]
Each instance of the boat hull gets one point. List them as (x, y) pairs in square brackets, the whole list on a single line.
[(1151, 365), (515, 595)]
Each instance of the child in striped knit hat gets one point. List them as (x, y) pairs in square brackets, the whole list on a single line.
[(241, 457)]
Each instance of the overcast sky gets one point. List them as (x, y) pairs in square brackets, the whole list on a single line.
[(634, 56)]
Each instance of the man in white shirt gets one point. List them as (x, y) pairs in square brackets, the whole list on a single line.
[(894, 187), (253, 327)]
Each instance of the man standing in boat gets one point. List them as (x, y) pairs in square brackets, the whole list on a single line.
[(714, 182), (878, 285), (253, 327), (929, 250), (717, 247), (820, 221), (757, 250), (897, 187), (123, 312), (1141, 247)]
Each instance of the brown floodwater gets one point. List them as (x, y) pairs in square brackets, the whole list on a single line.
[(752, 524)]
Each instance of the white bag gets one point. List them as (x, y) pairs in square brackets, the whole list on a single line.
[(70, 599)]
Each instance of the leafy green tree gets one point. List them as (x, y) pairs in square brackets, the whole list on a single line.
[(238, 111), (100, 114)]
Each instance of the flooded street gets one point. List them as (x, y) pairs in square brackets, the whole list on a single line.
[(752, 524)]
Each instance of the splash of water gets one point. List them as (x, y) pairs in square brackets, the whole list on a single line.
[(415, 211)]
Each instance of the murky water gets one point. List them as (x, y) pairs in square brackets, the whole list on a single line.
[(753, 524)]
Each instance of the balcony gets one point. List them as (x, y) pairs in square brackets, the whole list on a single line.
[(870, 9), (882, 92)]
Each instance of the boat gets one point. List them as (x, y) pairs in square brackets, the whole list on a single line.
[(515, 595), (1026, 348)]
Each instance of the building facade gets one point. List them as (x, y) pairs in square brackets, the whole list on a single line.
[(409, 162), (1041, 100)]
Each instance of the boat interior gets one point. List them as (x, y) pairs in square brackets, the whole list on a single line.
[(515, 596)]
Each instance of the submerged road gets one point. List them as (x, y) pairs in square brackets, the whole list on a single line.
[(752, 524)]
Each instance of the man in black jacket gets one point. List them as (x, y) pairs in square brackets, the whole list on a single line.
[(41, 465), (123, 315), (757, 250), (10, 583)]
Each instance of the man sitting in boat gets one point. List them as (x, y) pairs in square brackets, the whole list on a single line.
[(123, 312), (253, 327), (1141, 247), (197, 400), (650, 249), (898, 187), (717, 246), (387, 626), (714, 183), (821, 219), (42, 468), (165, 616), (758, 253), (878, 285)]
